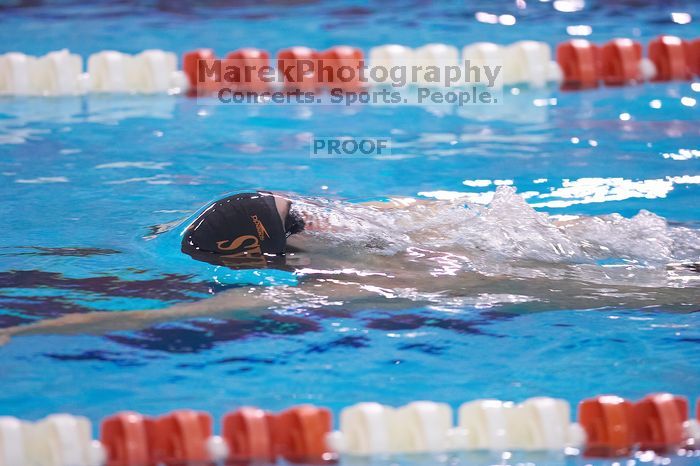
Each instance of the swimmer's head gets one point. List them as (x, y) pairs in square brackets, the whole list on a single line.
[(243, 230)]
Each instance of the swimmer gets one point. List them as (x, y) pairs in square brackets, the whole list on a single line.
[(254, 230), (407, 252)]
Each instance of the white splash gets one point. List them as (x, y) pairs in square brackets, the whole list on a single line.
[(509, 237)]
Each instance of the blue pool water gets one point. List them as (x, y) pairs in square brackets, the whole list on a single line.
[(86, 183)]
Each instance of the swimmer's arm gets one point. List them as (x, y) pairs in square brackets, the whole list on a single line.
[(238, 301), (110, 321)]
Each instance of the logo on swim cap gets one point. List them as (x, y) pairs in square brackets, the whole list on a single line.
[(262, 232), (242, 251)]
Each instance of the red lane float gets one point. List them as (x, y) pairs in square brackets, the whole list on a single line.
[(248, 65), (659, 421), (298, 67), (620, 62), (125, 439), (609, 426), (578, 59), (300, 434), (180, 437), (193, 64), (248, 432), (340, 67), (669, 56), (693, 56)]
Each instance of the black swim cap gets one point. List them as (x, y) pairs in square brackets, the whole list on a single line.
[(237, 231)]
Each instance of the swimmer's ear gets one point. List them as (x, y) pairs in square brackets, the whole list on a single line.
[(294, 223)]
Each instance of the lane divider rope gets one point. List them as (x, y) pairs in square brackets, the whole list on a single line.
[(607, 426), (577, 64)]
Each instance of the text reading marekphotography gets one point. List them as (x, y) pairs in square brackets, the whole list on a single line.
[(334, 82)]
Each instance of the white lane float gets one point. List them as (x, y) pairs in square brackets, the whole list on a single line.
[(109, 71), (544, 423), (13, 441), (388, 57), (155, 71), (537, 424), (149, 72), (523, 62), (56, 73), (17, 74), (366, 429), (65, 440), (442, 56), (481, 54), (424, 427), (372, 429), (57, 440), (60, 73), (530, 62), (485, 424)]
